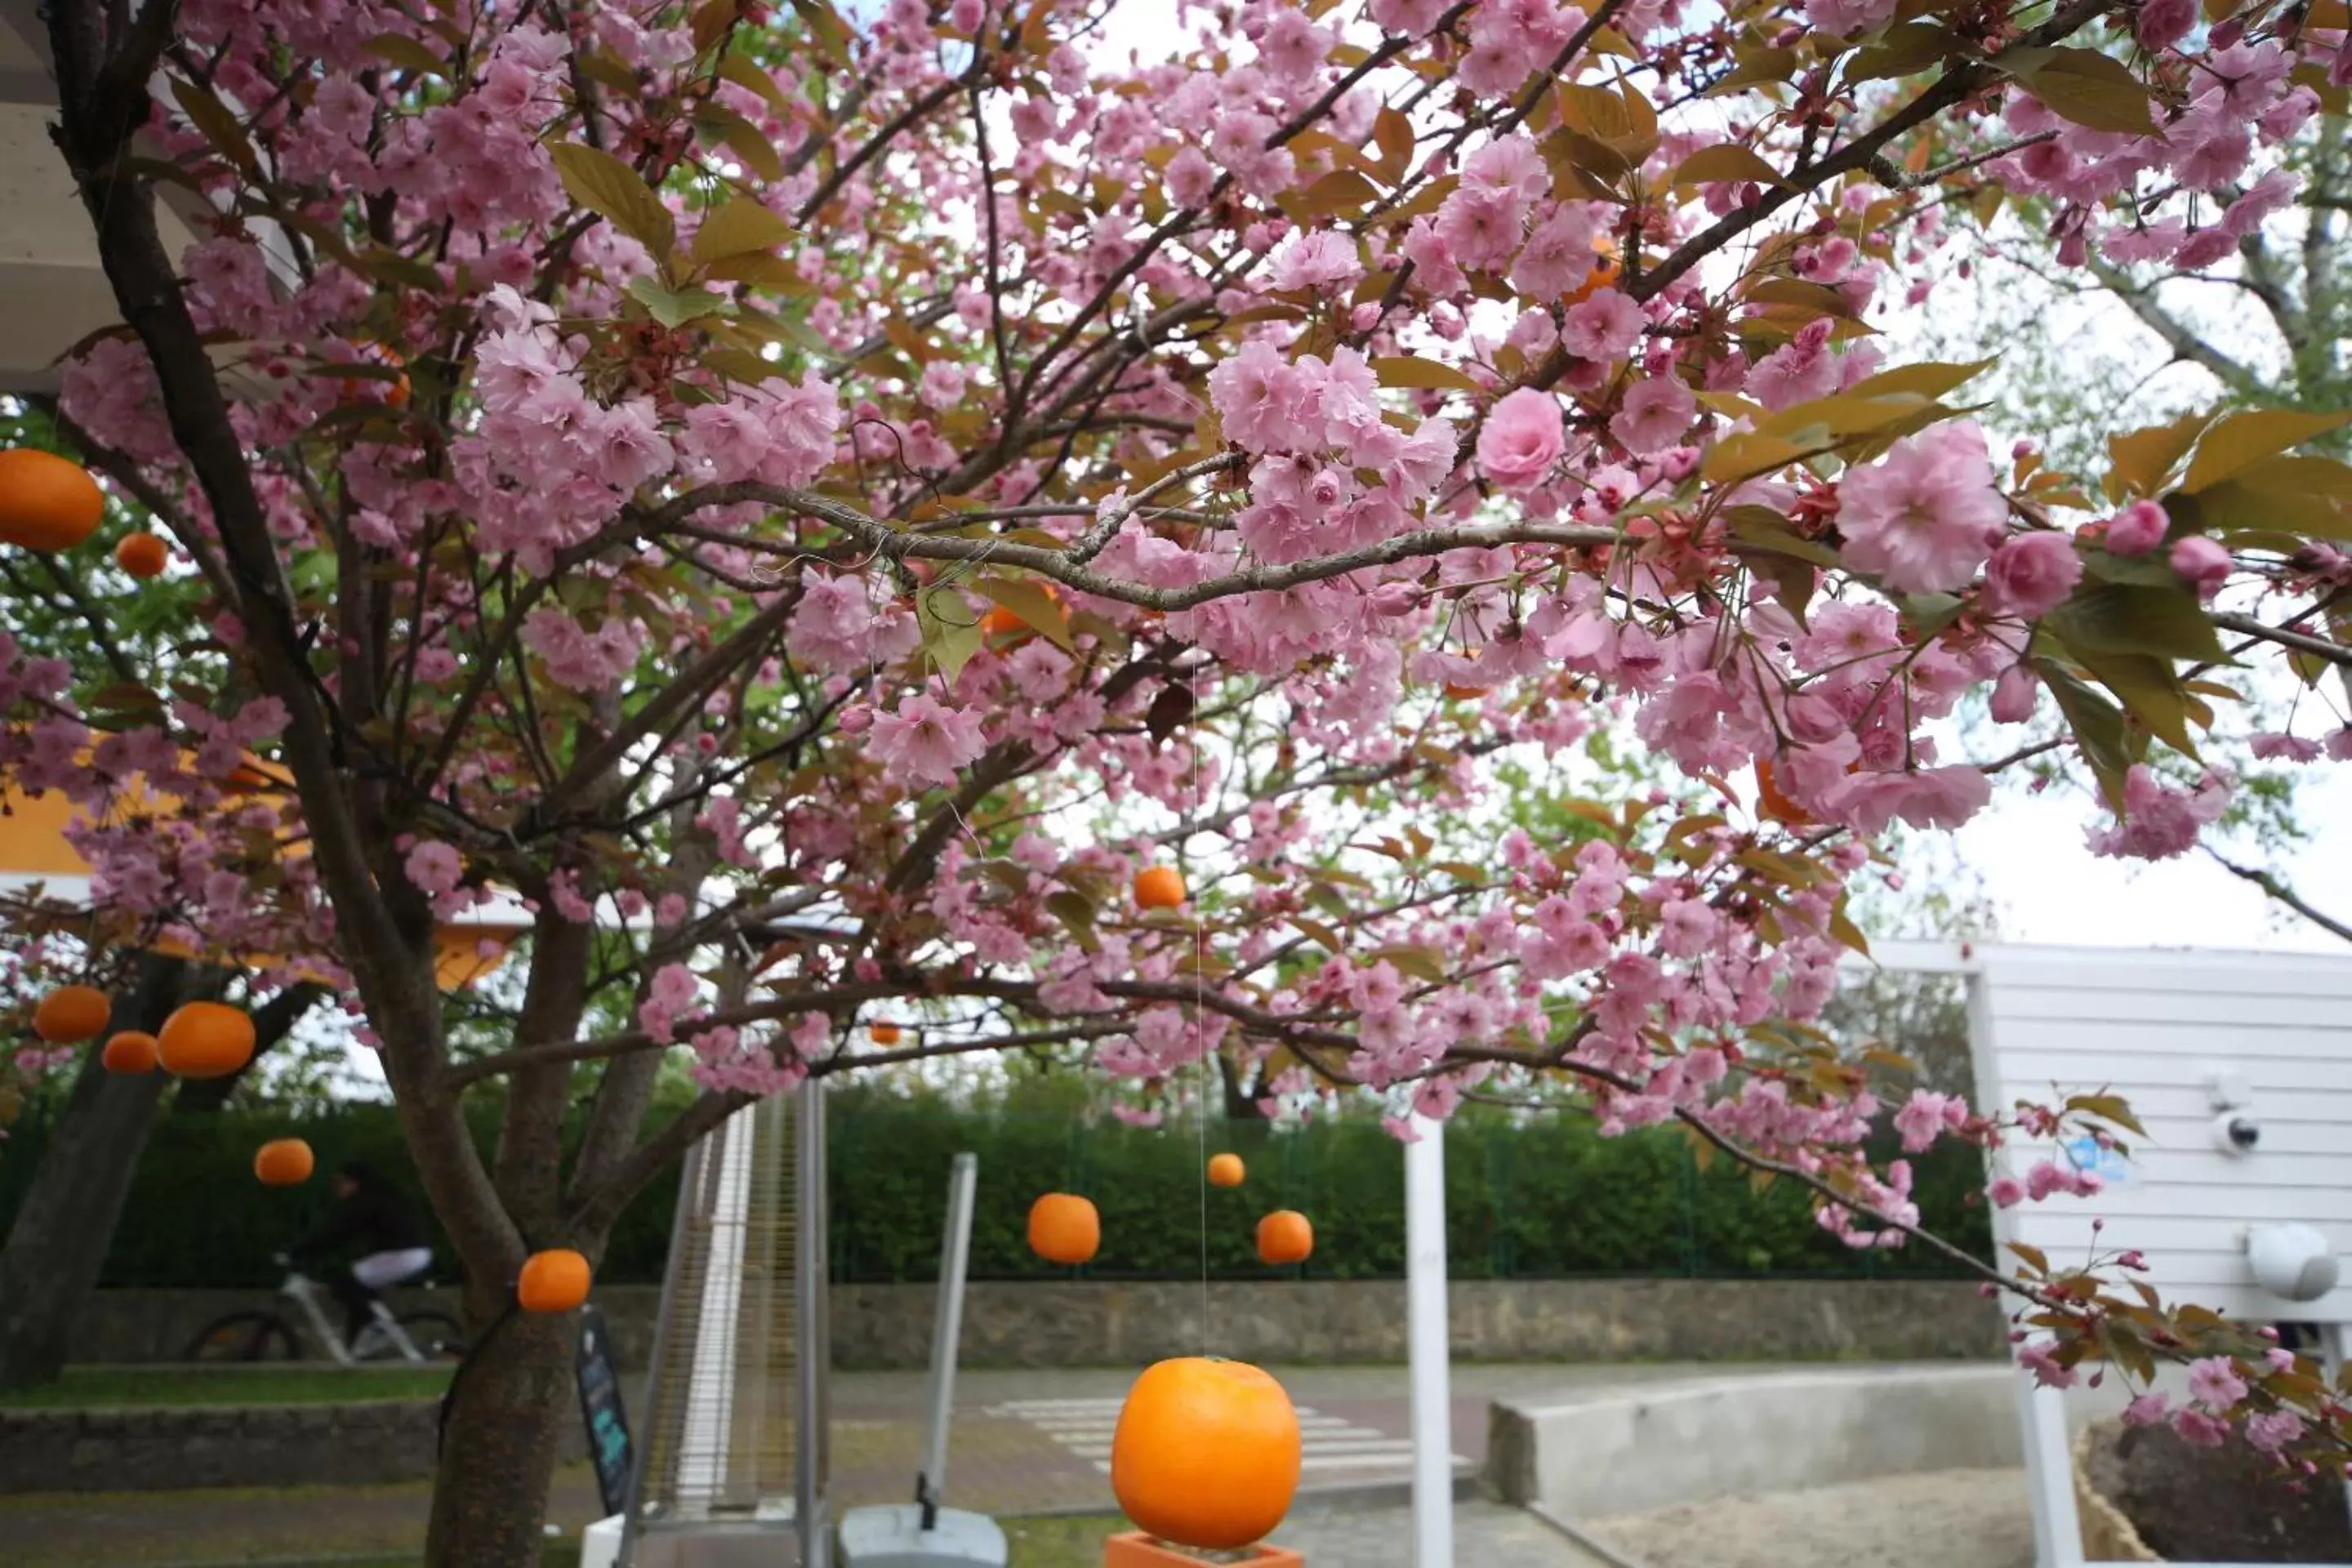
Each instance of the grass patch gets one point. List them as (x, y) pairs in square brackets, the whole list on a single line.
[(84, 1388), (1073, 1541)]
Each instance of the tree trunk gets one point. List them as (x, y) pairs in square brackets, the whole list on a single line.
[(498, 1440), (58, 1244)]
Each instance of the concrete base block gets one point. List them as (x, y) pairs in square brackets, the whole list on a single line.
[(1622, 1451)]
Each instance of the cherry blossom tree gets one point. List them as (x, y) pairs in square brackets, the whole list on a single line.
[(815, 509)]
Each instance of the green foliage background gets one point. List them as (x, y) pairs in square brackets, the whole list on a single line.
[(1527, 1197)]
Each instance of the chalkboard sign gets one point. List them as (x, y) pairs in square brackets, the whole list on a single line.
[(600, 1407)]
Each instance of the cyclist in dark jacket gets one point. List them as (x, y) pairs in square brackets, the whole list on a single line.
[(372, 1220)]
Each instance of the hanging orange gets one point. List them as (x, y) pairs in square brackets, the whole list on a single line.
[(1000, 621), (1064, 1228), (555, 1281), (129, 1053), (72, 1013), (142, 554), (1206, 1453), (1604, 274), (884, 1034), (47, 503), (1226, 1171), (1286, 1236), (283, 1162), (1159, 888), (1773, 802), (206, 1039)]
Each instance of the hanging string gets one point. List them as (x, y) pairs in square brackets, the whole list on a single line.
[(1200, 1041)]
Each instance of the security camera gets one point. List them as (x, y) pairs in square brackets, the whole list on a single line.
[(2292, 1262), (2236, 1132)]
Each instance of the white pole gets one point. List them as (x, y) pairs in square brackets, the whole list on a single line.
[(1432, 1429)]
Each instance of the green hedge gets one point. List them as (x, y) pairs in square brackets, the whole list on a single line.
[(1534, 1198)]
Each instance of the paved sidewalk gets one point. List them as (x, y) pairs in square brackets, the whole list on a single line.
[(1003, 1461)]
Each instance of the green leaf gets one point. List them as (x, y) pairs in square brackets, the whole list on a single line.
[(2282, 496), (1037, 608), (610, 188), (1761, 528), (1904, 51), (2244, 439), (739, 227), (746, 72), (214, 121), (1726, 161), (2084, 86), (1750, 454), (951, 633), (1847, 933), (2143, 459), (2098, 726), (2150, 692), (406, 53), (1423, 375), (749, 145), (1930, 378), (1421, 962), (674, 307), (1342, 193), (2125, 618), (1077, 915), (1322, 933)]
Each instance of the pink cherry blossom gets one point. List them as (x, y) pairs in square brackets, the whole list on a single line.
[(1924, 519), (2137, 529), (925, 742), (2032, 575), (1522, 439)]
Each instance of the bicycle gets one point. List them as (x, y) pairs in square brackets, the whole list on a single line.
[(269, 1334)]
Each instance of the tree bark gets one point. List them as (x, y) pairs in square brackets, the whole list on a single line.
[(498, 1436), (59, 1241)]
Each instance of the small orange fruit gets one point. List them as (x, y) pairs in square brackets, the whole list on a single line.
[(129, 1053), (1604, 274), (1159, 888), (72, 1013), (1286, 1236), (283, 1162), (1064, 1228), (1206, 1453), (47, 503), (555, 1281), (142, 554), (206, 1039), (1225, 1170), (884, 1034), (1773, 802)]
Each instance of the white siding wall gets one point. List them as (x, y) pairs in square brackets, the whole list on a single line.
[(2151, 1026)]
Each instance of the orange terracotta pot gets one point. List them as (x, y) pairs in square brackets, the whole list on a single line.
[(1136, 1550)]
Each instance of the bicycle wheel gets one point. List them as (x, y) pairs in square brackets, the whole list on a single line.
[(244, 1336), (436, 1335)]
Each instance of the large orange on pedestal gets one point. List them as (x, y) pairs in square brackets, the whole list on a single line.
[(1064, 1228), (1206, 1453), (1136, 1550)]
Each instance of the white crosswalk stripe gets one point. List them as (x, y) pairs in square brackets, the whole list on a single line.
[(1084, 1427)]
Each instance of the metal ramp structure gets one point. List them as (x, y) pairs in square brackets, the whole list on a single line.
[(733, 1465)]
